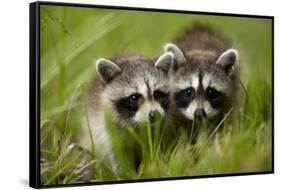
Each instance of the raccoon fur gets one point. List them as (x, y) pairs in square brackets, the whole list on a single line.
[(203, 79), (134, 87)]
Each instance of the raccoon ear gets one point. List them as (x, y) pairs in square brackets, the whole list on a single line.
[(164, 62), (106, 69), (178, 54), (227, 59)]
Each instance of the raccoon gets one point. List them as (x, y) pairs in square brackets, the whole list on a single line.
[(203, 78), (134, 87)]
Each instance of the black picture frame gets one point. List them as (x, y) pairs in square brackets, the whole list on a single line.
[(34, 91)]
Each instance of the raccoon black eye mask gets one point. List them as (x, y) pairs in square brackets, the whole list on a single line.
[(128, 106), (162, 97), (215, 97), (184, 97)]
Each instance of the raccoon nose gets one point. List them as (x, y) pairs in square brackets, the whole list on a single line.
[(200, 114), (152, 116)]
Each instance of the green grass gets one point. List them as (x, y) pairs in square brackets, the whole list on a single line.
[(73, 38)]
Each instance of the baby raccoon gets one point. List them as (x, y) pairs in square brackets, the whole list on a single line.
[(203, 77), (136, 90)]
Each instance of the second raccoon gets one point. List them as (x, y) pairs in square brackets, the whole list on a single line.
[(203, 78)]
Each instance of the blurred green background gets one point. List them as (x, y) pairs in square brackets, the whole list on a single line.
[(72, 38)]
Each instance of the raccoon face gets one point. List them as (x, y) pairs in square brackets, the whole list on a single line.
[(136, 90), (202, 88)]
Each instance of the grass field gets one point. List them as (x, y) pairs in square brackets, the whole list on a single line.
[(73, 38)]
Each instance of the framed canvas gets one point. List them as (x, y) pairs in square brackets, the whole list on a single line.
[(120, 94)]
